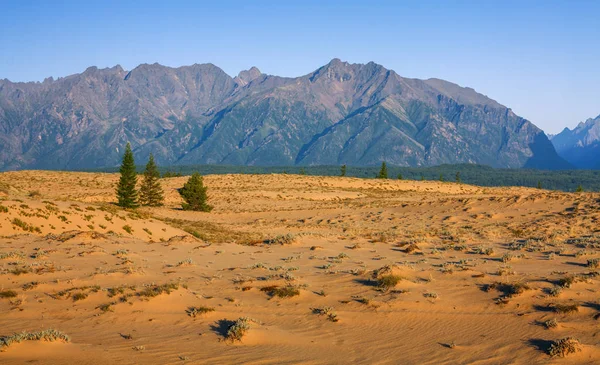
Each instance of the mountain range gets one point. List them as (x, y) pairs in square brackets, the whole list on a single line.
[(580, 146), (355, 114)]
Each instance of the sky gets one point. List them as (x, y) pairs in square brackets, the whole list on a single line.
[(539, 58)]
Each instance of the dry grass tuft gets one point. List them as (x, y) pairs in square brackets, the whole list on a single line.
[(196, 311)]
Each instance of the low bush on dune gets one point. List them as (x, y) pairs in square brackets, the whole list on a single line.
[(593, 263), (8, 294), (156, 290), (282, 239), (387, 282), (326, 311), (565, 308), (238, 329), (50, 335), (564, 347), (196, 311), (281, 292)]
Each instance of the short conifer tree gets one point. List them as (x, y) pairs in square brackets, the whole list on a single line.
[(383, 172), (127, 194), (151, 193), (194, 194)]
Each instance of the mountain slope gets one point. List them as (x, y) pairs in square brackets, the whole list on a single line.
[(580, 146), (357, 114)]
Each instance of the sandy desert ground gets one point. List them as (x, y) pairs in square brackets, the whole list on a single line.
[(327, 270)]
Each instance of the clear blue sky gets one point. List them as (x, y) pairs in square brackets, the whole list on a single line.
[(540, 58)]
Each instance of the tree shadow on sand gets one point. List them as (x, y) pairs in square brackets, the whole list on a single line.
[(221, 327), (540, 344)]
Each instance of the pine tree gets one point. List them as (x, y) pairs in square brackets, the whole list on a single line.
[(302, 171), (539, 185), (458, 177), (127, 195), (194, 194), (343, 170), (441, 178), (579, 189), (422, 177), (400, 177), (151, 193), (383, 173)]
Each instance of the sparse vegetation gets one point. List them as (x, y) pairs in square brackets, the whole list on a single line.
[(326, 311), (387, 282), (50, 335), (287, 291), (282, 239), (565, 308), (238, 329), (8, 294), (564, 347), (196, 311)]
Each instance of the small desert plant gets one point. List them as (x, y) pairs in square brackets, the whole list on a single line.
[(593, 263), (34, 194), (566, 282), (551, 323), (564, 347), (186, 262), (127, 228), (8, 294), (156, 290), (281, 292), (411, 248), (79, 296), (565, 308), (326, 311), (282, 239), (30, 285), (195, 311), (555, 290), (106, 307), (431, 295), (364, 300), (3, 209), (387, 282), (514, 289), (238, 329)]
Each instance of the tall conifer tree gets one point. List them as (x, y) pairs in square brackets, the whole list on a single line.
[(151, 193), (127, 195)]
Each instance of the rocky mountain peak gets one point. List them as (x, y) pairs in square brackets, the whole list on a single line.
[(342, 113)]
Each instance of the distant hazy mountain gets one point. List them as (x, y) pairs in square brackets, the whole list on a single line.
[(580, 146), (342, 113)]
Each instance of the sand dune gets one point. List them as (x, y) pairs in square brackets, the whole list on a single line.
[(329, 270)]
